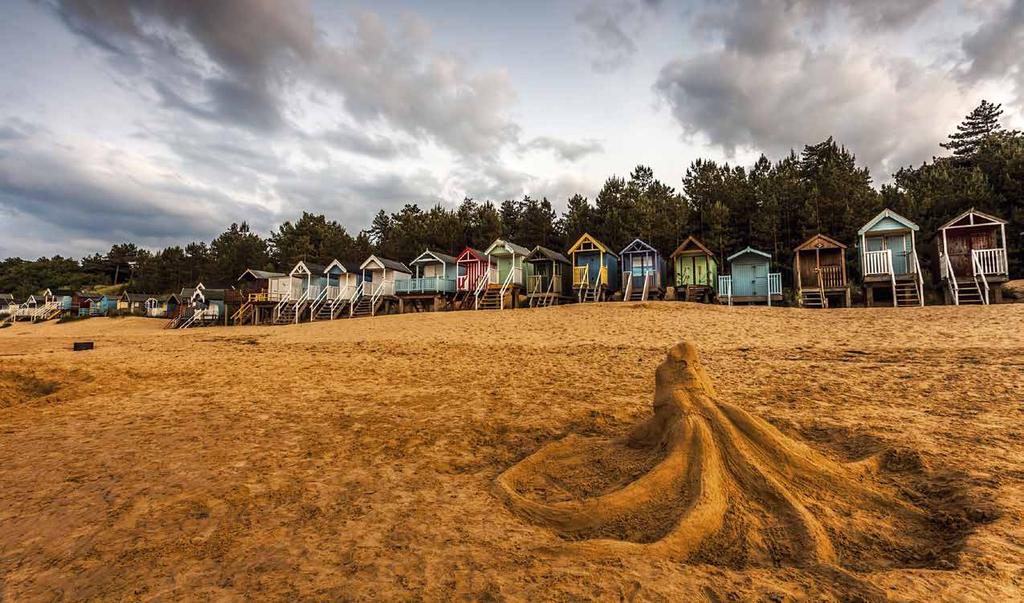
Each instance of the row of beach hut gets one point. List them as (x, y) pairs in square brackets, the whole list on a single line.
[(972, 263)]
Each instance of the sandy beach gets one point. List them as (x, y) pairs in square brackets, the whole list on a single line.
[(358, 459)]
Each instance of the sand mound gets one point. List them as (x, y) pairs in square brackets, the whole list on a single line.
[(705, 481)]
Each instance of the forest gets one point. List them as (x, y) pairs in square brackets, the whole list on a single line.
[(773, 205)]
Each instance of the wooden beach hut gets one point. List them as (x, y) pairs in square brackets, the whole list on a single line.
[(474, 269), (8, 305), (644, 272), (695, 271), (595, 272), (134, 303), (376, 294), (750, 279), (432, 287), (888, 256), (819, 269), (260, 292), (551, 280), (343, 279), (972, 258), (507, 278), (306, 286)]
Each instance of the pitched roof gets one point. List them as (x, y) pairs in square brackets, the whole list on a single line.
[(7, 297), (212, 294), (541, 253), (386, 263), (346, 267), (636, 245), (887, 213), (747, 250), (429, 255), (972, 213), (830, 242), (310, 266), (137, 297), (587, 237), (475, 254), (690, 242), (508, 246), (261, 274)]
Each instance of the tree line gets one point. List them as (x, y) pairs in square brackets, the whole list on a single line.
[(772, 205)]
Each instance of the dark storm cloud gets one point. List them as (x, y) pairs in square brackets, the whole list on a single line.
[(237, 61), (772, 85), (79, 191), (996, 48)]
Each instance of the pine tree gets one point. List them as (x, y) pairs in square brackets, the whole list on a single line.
[(978, 125)]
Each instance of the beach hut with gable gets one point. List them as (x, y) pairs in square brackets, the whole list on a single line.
[(550, 282), (376, 294), (595, 272), (208, 307), (474, 273), (260, 292), (506, 278), (819, 272), (695, 271), (750, 279), (307, 285), (972, 258), (644, 272), (433, 287), (888, 255), (8, 305), (343, 279)]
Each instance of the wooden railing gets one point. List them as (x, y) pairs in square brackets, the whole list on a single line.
[(537, 284), (831, 277), (725, 288), (990, 261), (979, 278), (581, 276), (878, 262), (426, 284)]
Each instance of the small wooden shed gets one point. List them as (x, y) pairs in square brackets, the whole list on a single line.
[(644, 272), (972, 258), (750, 279), (550, 282), (695, 271), (889, 260), (433, 285), (595, 272), (819, 269)]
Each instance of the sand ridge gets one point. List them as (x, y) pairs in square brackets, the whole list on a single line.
[(357, 459)]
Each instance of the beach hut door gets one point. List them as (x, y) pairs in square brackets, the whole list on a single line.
[(898, 245), (593, 263)]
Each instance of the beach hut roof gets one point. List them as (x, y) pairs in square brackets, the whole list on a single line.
[(971, 216), (473, 254), (543, 253), (636, 246), (6, 297), (689, 244), (385, 263), (346, 267), (210, 294), (586, 238), (305, 267), (260, 274), (429, 257), (508, 246), (818, 241), (747, 250), (887, 213), (136, 297)]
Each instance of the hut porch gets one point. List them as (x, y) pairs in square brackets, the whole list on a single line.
[(819, 268), (972, 257)]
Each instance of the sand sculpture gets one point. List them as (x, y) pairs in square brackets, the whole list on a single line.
[(705, 480)]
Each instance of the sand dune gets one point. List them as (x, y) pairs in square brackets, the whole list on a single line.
[(435, 457)]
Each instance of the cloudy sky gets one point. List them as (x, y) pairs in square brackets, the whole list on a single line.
[(163, 121)]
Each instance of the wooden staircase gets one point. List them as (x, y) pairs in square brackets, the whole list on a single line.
[(812, 298), (288, 313), (365, 306), (969, 293), (907, 294), (491, 298), (588, 294), (243, 314), (327, 311)]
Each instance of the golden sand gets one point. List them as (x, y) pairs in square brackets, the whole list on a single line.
[(375, 458)]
